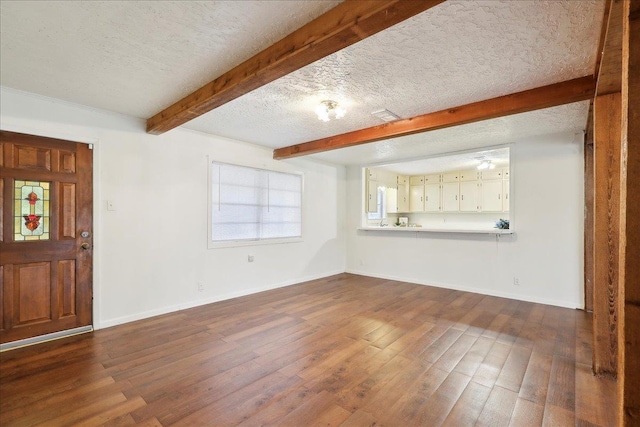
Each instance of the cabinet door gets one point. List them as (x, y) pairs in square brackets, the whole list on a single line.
[(371, 174), (492, 174), (402, 180), (505, 193), (470, 175), (416, 180), (451, 177), (403, 198), (416, 198), (432, 197), (431, 179), (372, 196), (469, 196), (492, 196), (392, 200), (450, 195)]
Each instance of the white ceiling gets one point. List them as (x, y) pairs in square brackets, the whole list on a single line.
[(138, 57), (450, 162)]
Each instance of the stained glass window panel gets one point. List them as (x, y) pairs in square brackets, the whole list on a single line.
[(31, 210)]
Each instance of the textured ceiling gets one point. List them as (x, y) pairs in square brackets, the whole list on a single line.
[(503, 130), (138, 57), (453, 54)]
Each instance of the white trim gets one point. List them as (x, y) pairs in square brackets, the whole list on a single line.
[(190, 304), (489, 292), (43, 338)]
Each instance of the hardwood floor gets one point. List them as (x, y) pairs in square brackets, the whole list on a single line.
[(346, 350)]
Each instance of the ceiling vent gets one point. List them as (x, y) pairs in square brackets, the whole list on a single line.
[(385, 115)]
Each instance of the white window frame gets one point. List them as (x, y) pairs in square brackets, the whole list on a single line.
[(211, 244)]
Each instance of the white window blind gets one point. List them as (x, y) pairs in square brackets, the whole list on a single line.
[(250, 204)]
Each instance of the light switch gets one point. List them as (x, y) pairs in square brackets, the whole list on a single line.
[(110, 205)]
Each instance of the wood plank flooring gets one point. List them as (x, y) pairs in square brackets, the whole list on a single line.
[(341, 351)]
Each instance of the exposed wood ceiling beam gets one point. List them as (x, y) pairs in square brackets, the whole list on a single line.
[(534, 99), (603, 37), (342, 26), (610, 67)]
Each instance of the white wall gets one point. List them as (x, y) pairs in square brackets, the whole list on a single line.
[(151, 252), (545, 254)]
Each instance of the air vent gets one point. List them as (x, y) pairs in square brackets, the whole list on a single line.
[(385, 115)]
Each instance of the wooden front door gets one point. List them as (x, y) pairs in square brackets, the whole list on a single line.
[(46, 236)]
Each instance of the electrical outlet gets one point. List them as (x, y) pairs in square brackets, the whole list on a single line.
[(200, 287), (250, 258), (516, 281)]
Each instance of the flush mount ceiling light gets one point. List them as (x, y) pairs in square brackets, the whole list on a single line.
[(486, 164), (328, 108)]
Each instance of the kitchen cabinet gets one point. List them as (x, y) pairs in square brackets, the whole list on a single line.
[(451, 177), (457, 191), (432, 201), (392, 200), (416, 180), (505, 192), (371, 174), (416, 198), (372, 196), (403, 193), (403, 198), (432, 179), (450, 196), (489, 174), (470, 175), (492, 195), (469, 196)]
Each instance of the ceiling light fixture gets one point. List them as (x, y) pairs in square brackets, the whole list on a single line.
[(486, 164), (327, 108)]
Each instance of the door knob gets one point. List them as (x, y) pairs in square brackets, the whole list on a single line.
[(85, 245)]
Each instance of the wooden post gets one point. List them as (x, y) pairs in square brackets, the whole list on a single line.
[(589, 202), (629, 304), (607, 119)]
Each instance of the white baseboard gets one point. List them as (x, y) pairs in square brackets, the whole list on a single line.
[(196, 303), (216, 298), (490, 292)]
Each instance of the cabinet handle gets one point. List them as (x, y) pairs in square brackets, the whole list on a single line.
[(456, 197), (498, 196), (462, 197)]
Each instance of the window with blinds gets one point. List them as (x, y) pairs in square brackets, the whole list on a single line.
[(249, 205)]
